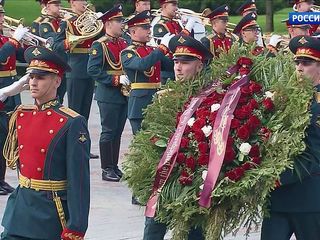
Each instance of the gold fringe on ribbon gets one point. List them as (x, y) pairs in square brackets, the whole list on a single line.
[(10, 149)]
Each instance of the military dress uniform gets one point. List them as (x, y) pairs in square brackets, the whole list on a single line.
[(294, 204), (48, 28), (218, 42), (184, 48), (35, 25), (142, 64), (80, 85), (105, 67), (248, 22), (52, 199)]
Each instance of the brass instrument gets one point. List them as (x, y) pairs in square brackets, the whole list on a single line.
[(314, 8), (11, 24), (64, 12), (87, 25)]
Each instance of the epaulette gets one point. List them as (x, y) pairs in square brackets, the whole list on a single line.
[(131, 47), (103, 39), (39, 19), (69, 112), (46, 19), (27, 107)]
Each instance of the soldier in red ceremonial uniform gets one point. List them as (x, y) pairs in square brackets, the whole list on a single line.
[(248, 31), (10, 50), (48, 29), (220, 40), (80, 85), (52, 199), (35, 25), (105, 67)]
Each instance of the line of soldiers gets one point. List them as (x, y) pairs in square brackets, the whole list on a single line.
[(116, 65)]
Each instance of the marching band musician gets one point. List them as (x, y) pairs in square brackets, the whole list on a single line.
[(105, 67), (247, 30), (35, 26), (297, 29), (306, 6), (48, 29), (219, 40), (52, 199), (80, 85)]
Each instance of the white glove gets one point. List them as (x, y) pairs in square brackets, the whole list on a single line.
[(190, 24), (99, 14), (166, 39), (274, 40), (19, 32), (15, 88), (124, 80)]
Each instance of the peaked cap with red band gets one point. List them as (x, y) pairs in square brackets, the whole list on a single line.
[(249, 5), (188, 49), (301, 1), (44, 61), (248, 21), (305, 47), (115, 12), (221, 12), (143, 18), (50, 1), (304, 26), (161, 2)]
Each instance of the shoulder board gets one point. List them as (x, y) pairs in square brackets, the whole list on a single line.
[(212, 35), (131, 48), (317, 96), (102, 39), (46, 19), (39, 19), (27, 107), (69, 112)]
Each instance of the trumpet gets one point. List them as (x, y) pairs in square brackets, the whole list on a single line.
[(64, 12), (12, 21), (314, 8), (87, 25)]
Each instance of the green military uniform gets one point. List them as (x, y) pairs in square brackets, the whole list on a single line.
[(142, 64), (294, 205), (52, 199), (80, 85), (105, 67), (48, 29)]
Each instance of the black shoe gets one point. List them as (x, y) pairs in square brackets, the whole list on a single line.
[(134, 201), (6, 186), (118, 171), (3, 191), (108, 174), (93, 156)]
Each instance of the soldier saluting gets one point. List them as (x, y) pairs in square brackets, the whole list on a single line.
[(52, 199), (105, 67)]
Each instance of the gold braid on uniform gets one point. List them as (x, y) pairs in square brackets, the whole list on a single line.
[(114, 65), (10, 149)]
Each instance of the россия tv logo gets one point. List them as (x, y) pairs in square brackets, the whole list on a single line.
[(297, 18)]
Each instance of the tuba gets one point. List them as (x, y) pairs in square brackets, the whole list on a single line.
[(87, 25)]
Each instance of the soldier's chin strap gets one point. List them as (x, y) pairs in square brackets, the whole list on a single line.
[(10, 149)]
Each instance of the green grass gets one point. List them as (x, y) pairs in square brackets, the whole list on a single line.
[(30, 10)]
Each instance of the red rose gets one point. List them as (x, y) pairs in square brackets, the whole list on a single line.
[(203, 147), (243, 133), (254, 151), (245, 91), (245, 61), (213, 116), (209, 101), (203, 160), (253, 104), (190, 163), (265, 133), (185, 178), (230, 155), (235, 123), (231, 175), (255, 87), (235, 174), (187, 130), (181, 158), (230, 141), (256, 160), (199, 135), (242, 100), (247, 166), (198, 124), (268, 104), (244, 71), (184, 143), (242, 113), (202, 113), (254, 122)]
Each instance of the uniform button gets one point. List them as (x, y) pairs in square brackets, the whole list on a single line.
[(61, 120), (21, 146), (19, 127), (39, 169), (34, 113), (49, 113), (22, 165), (21, 114), (42, 150), (51, 131)]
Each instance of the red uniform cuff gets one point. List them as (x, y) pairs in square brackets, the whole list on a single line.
[(185, 32), (68, 234), (163, 49), (115, 80), (14, 43)]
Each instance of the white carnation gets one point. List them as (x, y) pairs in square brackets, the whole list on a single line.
[(245, 148), (215, 107), (191, 121), (269, 94), (207, 130)]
